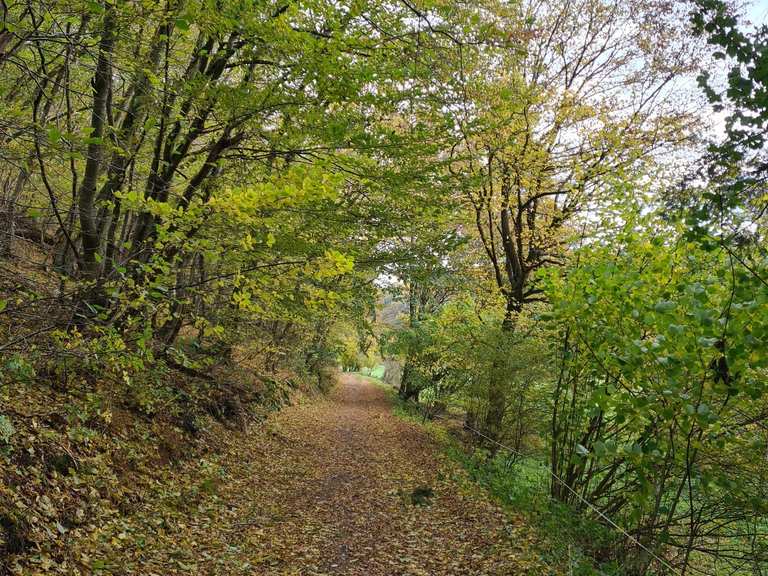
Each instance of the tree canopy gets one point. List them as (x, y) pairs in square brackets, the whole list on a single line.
[(516, 208)]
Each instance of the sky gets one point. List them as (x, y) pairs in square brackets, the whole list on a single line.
[(757, 11)]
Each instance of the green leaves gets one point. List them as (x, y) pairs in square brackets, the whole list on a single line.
[(54, 135), (181, 23), (676, 329), (6, 429), (665, 343), (705, 342), (664, 306)]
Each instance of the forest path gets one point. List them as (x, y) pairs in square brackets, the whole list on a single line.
[(328, 489)]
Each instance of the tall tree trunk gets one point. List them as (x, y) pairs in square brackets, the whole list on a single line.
[(129, 141), (497, 397), (408, 388), (6, 241), (91, 235)]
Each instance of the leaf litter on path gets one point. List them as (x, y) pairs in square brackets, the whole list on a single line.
[(333, 491), (335, 485)]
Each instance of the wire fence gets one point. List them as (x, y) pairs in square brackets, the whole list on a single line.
[(611, 524), (581, 499)]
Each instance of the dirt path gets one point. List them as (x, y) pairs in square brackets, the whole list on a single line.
[(325, 489), (331, 494)]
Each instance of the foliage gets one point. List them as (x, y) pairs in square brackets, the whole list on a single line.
[(204, 203), (746, 95), (6, 429), (661, 370)]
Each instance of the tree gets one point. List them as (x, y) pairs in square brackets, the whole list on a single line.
[(657, 407), (426, 277), (582, 97)]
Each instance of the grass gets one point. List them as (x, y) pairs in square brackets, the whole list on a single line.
[(374, 380), (374, 372)]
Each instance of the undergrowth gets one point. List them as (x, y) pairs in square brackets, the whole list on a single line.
[(91, 467), (569, 541)]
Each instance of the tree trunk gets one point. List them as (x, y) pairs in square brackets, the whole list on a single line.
[(497, 397), (6, 241), (91, 235), (407, 388)]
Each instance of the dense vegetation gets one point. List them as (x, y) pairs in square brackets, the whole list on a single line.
[(513, 205)]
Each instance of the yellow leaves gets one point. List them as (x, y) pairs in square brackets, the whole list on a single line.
[(319, 298), (209, 330), (333, 263), (247, 242), (242, 299), (135, 200), (570, 110), (300, 186)]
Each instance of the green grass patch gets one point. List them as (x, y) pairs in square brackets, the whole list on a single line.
[(374, 372), (372, 379)]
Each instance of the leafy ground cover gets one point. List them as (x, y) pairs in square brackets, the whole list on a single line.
[(343, 486), (570, 541), (329, 485)]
